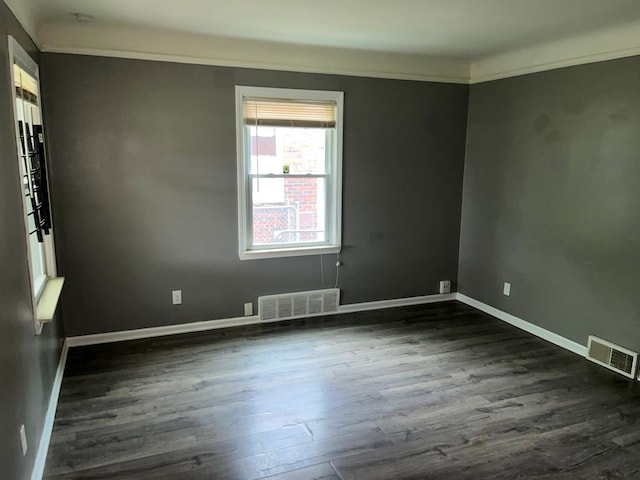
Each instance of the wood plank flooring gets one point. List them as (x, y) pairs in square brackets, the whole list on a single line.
[(439, 391)]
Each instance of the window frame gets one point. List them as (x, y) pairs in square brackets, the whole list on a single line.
[(46, 288), (333, 204)]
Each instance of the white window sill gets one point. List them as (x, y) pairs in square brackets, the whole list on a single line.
[(289, 252), (48, 301)]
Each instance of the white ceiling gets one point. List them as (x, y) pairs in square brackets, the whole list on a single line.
[(467, 30)]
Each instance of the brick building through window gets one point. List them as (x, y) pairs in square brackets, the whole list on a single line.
[(288, 209)]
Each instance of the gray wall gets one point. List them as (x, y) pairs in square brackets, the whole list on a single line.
[(552, 199), (27, 363), (144, 184)]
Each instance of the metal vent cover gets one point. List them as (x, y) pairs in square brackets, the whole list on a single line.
[(599, 352), (299, 304), (612, 356), (622, 361)]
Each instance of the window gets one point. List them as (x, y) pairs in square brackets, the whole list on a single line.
[(289, 171), (33, 181)]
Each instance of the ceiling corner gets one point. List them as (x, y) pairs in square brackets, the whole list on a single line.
[(25, 12), (601, 45)]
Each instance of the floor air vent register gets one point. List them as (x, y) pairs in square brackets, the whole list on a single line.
[(299, 304), (612, 356)]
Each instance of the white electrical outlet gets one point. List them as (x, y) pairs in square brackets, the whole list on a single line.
[(248, 309), (176, 297), (23, 440), (445, 286), (506, 290)]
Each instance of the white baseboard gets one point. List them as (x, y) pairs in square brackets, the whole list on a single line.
[(47, 429), (140, 333), (396, 302), (351, 308), (524, 325)]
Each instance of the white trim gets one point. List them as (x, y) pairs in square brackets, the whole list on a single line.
[(511, 64), (161, 45), (18, 55), (45, 288), (396, 302), (290, 252), (350, 308), (141, 333), (333, 204), (508, 70), (47, 429), (354, 71), (598, 46), (48, 302), (170, 46), (483, 70), (524, 325)]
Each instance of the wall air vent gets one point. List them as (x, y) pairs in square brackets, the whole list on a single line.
[(300, 304), (612, 356)]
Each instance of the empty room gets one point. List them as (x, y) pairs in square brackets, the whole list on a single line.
[(282, 240)]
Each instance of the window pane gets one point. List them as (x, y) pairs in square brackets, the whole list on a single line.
[(298, 214), (303, 150), (37, 258), (28, 114)]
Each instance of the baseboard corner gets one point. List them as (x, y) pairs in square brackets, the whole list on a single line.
[(529, 327)]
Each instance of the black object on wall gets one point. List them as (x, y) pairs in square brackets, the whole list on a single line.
[(32, 153)]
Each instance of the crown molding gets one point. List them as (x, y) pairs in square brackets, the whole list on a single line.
[(598, 46), (159, 45)]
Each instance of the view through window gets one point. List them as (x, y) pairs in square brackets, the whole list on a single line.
[(288, 208)]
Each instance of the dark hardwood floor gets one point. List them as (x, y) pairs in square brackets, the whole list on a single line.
[(439, 391)]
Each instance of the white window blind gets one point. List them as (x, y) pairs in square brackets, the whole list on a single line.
[(286, 113)]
